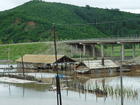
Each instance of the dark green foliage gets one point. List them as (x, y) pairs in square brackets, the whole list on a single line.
[(32, 22)]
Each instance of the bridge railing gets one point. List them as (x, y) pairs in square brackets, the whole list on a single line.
[(105, 39)]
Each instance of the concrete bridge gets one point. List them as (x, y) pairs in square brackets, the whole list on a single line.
[(88, 45)]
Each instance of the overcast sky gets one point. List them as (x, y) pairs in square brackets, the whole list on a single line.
[(125, 5)]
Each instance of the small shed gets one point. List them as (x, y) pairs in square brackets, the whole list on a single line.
[(97, 66), (31, 61)]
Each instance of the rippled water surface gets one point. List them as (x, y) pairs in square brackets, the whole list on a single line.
[(39, 94)]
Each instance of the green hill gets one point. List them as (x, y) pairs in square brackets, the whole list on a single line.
[(33, 20), (15, 51)]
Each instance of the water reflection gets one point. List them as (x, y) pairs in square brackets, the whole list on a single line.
[(80, 92), (103, 87)]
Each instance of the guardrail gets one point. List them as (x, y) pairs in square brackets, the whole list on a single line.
[(121, 39)]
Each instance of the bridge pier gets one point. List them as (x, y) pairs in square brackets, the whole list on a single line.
[(102, 50), (133, 51), (84, 49), (93, 50), (122, 52), (71, 50), (112, 50), (76, 48)]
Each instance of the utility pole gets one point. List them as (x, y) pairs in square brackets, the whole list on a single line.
[(59, 98)]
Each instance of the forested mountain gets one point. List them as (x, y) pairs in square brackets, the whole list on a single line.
[(33, 21)]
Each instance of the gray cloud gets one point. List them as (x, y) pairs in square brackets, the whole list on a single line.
[(8, 4), (122, 4)]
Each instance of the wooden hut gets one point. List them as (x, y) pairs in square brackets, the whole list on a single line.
[(31, 61), (96, 66)]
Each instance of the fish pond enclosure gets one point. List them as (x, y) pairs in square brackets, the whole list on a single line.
[(40, 94), (75, 90)]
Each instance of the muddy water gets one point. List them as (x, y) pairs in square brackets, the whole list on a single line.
[(39, 94)]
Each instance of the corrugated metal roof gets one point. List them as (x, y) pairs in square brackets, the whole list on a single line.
[(97, 64), (29, 58)]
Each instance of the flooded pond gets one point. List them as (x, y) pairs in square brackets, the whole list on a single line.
[(40, 94), (85, 91)]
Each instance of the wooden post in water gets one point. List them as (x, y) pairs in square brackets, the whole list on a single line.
[(103, 61), (7, 70), (9, 89), (23, 92), (121, 83), (23, 66)]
